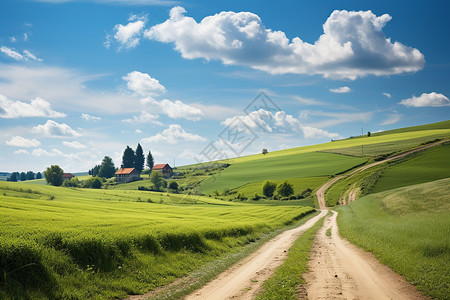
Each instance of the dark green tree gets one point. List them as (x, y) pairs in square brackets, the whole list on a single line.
[(53, 175), (23, 176), (173, 185), (128, 158), (107, 168), (285, 189), (268, 188), (39, 175), (139, 159), (13, 176), (264, 151), (157, 180), (150, 161), (30, 175)]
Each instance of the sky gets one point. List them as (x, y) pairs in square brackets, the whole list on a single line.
[(195, 81)]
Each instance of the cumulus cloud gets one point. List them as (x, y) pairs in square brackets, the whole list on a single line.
[(341, 90), (143, 84), (144, 117), (129, 35), (172, 135), (180, 110), (54, 129), (88, 117), (74, 144), (18, 141), (21, 151), (352, 44), (432, 99), (38, 107), (25, 56), (316, 133)]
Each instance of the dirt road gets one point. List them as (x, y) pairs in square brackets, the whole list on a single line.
[(243, 280), (340, 270)]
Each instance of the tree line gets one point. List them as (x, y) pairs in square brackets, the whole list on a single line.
[(22, 176)]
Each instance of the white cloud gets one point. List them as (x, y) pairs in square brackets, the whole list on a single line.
[(139, 131), (41, 152), (387, 95), (392, 119), (172, 135), (129, 35), (316, 133), (143, 84), (88, 117), (352, 45), (308, 101), (180, 110), (336, 118), (432, 99), (144, 117), (341, 90), (36, 108), (74, 144), (54, 129), (26, 56), (18, 141), (21, 151)]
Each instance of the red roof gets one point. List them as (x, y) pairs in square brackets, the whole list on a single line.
[(124, 171), (160, 166), (67, 175)]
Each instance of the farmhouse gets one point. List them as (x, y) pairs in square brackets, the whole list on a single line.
[(165, 169), (67, 176), (127, 175)]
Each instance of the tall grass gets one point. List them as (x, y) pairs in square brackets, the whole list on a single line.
[(408, 229)]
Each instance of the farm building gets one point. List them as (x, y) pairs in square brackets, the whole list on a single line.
[(165, 169), (67, 176), (127, 175)]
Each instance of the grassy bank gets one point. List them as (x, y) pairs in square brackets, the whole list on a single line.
[(86, 244), (407, 229)]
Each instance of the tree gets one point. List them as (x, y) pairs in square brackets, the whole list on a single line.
[(173, 185), (157, 180), (107, 168), (95, 170), (128, 158), (368, 134), (23, 176), (13, 176), (264, 151), (53, 175), (268, 188), (38, 175), (30, 175), (150, 161), (93, 183), (285, 189), (139, 159)]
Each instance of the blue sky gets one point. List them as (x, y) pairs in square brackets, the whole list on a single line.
[(195, 80)]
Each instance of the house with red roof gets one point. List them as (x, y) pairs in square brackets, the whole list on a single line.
[(67, 176), (165, 170), (127, 175)]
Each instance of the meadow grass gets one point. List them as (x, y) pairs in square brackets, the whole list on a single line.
[(277, 168), (432, 126), (428, 165), (407, 229), (287, 277), (85, 244)]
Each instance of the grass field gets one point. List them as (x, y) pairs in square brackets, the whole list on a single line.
[(408, 229), (102, 244), (282, 167)]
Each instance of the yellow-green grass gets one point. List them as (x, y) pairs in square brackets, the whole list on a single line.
[(86, 244), (312, 164), (428, 165), (407, 229), (432, 126), (284, 283)]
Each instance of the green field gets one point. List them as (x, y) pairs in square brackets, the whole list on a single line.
[(408, 229), (311, 164), (82, 244)]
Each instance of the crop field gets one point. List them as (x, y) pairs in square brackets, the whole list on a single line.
[(407, 229), (429, 165), (281, 167), (81, 243)]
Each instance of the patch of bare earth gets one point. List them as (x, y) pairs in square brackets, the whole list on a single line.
[(340, 270)]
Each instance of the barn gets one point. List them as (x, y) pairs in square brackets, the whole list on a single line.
[(127, 175), (67, 176), (165, 169)]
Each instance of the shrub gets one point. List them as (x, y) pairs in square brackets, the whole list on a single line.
[(173, 186), (268, 188), (256, 197), (285, 189)]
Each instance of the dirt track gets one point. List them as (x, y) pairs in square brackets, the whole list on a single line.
[(340, 270), (243, 280)]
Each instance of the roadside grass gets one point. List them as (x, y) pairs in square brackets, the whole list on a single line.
[(407, 229), (277, 168), (429, 165), (86, 244), (283, 284)]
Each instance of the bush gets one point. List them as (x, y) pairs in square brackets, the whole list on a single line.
[(285, 189), (173, 186), (93, 183), (256, 197), (268, 188)]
